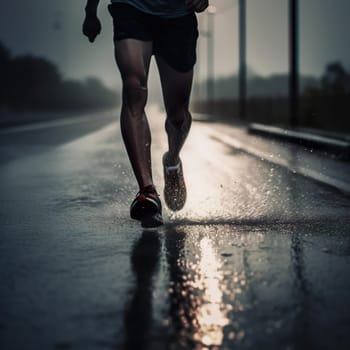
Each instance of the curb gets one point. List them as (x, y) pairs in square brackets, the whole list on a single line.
[(331, 144), (339, 184)]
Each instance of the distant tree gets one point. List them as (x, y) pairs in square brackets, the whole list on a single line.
[(32, 80), (29, 82), (336, 80), (326, 106), (5, 58), (98, 93)]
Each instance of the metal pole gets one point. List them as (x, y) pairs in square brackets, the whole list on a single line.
[(242, 60), (210, 57), (293, 63)]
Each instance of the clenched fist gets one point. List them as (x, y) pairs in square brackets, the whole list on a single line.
[(91, 27)]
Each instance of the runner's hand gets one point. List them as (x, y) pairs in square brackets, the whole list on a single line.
[(91, 27), (197, 5)]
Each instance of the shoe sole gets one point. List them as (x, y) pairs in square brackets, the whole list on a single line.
[(174, 207), (170, 201)]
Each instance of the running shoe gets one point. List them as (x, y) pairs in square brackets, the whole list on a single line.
[(147, 208), (174, 185)]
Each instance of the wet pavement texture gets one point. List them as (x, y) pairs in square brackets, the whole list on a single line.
[(259, 258)]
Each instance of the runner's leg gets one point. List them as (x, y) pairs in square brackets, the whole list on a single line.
[(176, 87), (133, 60)]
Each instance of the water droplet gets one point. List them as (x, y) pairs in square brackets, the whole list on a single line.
[(231, 335)]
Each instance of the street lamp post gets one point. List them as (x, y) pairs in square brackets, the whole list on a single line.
[(242, 60), (293, 63), (210, 57)]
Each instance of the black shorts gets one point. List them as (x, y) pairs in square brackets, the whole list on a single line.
[(174, 39)]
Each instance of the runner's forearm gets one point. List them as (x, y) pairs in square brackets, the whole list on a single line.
[(91, 7)]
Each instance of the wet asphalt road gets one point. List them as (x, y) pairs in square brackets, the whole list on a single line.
[(259, 258)]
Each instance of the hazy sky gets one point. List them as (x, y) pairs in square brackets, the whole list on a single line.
[(53, 29)]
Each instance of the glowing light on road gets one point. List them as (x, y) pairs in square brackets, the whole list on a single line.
[(211, 313)]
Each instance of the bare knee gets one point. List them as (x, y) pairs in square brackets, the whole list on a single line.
[(134, 94), (179, 116)]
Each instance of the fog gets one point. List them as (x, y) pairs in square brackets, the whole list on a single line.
[(53, 30)]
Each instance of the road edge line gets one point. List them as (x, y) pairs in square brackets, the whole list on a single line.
[(338, 184)]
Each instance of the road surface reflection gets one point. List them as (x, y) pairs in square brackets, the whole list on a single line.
[(201, 294)]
